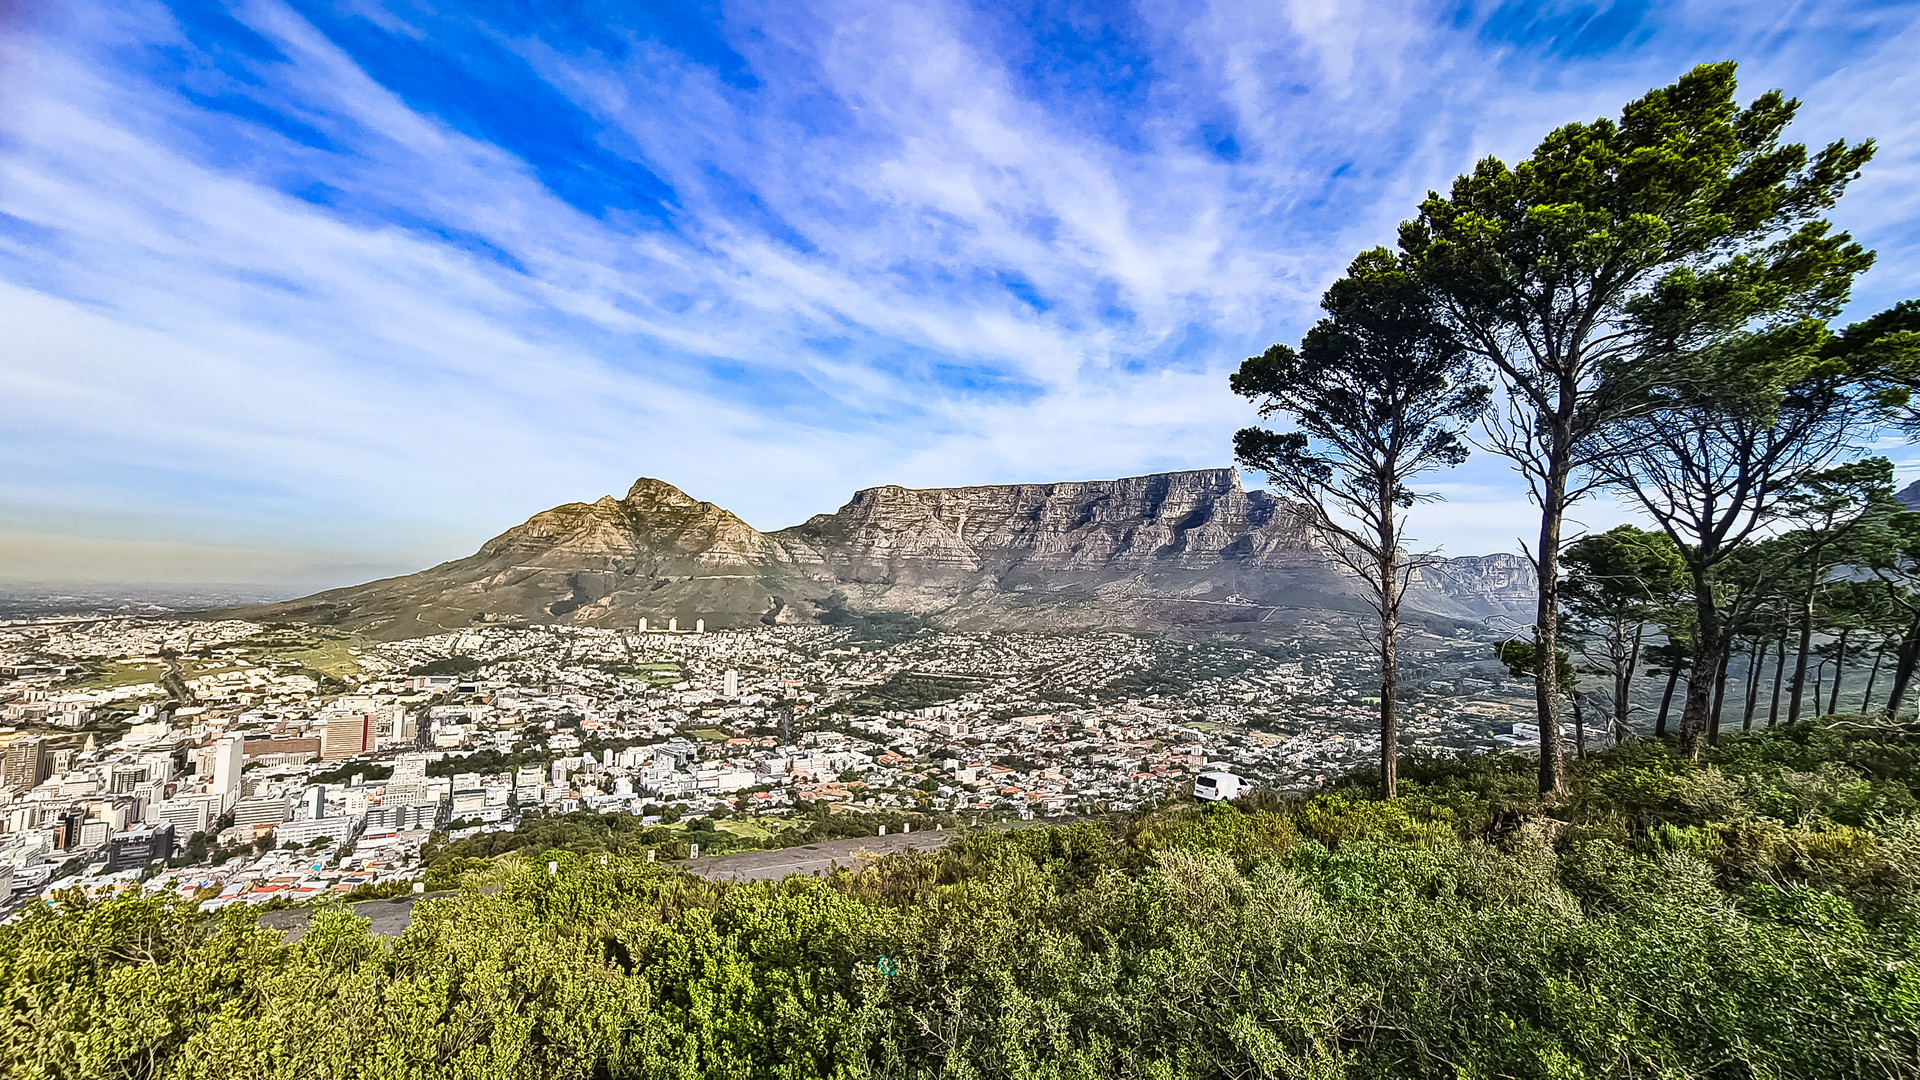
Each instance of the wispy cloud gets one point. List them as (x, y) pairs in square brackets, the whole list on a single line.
[(379, 280)]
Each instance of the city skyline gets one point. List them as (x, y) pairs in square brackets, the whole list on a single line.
[(305, 296)]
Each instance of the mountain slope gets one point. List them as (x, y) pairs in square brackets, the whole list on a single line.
[(1185, 548)]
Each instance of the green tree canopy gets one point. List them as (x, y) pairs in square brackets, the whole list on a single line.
[(1378, 393), (1618, 244)]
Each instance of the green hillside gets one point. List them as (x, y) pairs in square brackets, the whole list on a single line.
[(1752, 915)]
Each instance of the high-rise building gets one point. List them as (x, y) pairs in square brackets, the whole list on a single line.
[(730, 684), (316, 802), (346, 735), (27, 763), (397, 817), (138, 847), (228, 759), (125, 779), (191, 814), (67, 828), (260, 810)]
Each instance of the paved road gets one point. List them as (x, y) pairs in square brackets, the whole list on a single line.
[(814, 859)]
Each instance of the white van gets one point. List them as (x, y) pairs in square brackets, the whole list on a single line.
[(1217, 783)]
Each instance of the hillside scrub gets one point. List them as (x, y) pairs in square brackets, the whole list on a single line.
[(1749, 915)]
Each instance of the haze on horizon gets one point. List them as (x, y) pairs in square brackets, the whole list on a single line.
[(305, 294)]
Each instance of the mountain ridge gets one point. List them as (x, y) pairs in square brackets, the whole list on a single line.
[(1190, 548)]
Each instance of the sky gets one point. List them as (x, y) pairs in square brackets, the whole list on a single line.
[(302, 294)]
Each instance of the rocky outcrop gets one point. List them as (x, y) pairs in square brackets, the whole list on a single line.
[(1187, 520), (1185, 548), (1478, 585)]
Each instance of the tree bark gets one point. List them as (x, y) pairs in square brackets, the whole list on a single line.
[(1754, 661), (1707, 644), (1546, 685), (1389, 667), (1779, 670), (1905, 657), (1720, 691), (1839, 670), (1666, 701), (1579, 729), (1800, 664), (1873, 674), (1620, 702)]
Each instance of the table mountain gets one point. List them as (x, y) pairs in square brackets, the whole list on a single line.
[(1171, 549)]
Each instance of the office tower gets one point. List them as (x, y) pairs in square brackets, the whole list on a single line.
[(228, 760), (27, 763), (135, 848), (346, 735), (125, 779)]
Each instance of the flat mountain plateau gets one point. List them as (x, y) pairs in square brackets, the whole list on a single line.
[(1171, 550)]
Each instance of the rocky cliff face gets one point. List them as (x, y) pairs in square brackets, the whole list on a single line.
[(1184, 520), (1185, 548)]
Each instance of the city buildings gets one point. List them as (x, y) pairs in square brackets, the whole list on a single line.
[(228, 762), (221, 733), (27, 763)]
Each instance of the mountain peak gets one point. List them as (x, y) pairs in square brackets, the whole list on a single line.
[(648, 491), (1179, 549)]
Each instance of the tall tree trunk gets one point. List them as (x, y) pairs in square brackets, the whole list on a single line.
[(1666, 701), (1906, 657), (1754, 660), (1720, 690), (1389, 660), (1546, 619), (1819, 681), (1707, 647), (1879, 655), (1620, 701), (1579, 729), (1839, 671), (1779, 670), (1800, 664)]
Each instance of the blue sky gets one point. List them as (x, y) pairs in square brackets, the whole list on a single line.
[(302, 293)]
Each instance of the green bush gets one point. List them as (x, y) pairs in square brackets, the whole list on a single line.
[(1667, 919)]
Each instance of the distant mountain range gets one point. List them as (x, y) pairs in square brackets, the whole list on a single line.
[(1182, 549)]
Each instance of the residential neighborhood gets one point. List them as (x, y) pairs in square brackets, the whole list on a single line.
[(233, 762)]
